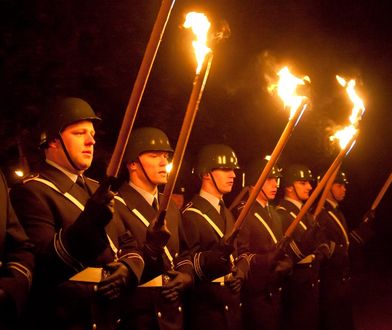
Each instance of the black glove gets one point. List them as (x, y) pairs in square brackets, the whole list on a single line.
[(178, 282), (100, 206), (8, 309), (284, 265), (116, 279), (157, 237), (324, 250), (235, 280)]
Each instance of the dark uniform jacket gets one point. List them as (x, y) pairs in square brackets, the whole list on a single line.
[(64, 246), (300, 300), (257, 240), (16, 260), (335, 288), (147, 308), (209, 305)]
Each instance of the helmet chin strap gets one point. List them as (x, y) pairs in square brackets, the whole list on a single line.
[(296, 193), (68, 155), (144, 172), (216, 186)]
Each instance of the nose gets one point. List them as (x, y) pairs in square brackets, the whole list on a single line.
[(308, 185), (232, 174), (90, 139)]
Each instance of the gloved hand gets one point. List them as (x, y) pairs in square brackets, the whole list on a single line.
[(284, 265), (369, 217), (116, 278), (178, 282), (235, 280), (100, 206), (157, 237), (324, 250)]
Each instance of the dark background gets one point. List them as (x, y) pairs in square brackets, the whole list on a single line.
[(93, 49)]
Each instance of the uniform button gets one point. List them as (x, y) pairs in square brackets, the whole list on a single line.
[(310, 265), (176, 255), (94, 326), (270, 294), (159, 314), (240, 304), (1, 263), (318, 281), (118, 321), (226, 308), (180, 309), (280, 289), (312, 285), (222, 283), (341, 245)]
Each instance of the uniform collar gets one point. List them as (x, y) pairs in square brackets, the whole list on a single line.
[(214, 201), (69, 174), (296, 203), (333, 203), (146, 195)]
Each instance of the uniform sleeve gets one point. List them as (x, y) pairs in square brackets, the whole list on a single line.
[(17, 258), (57, 261)]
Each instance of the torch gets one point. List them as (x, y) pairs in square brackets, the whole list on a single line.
[(382, 192), (139, 86), (356, 115), (286, 89), (204, 55)]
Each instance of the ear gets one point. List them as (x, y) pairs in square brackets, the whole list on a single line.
[(132, 166), (206, 176), (54, 144)]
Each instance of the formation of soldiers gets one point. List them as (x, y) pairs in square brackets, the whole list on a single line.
[(83, 257)]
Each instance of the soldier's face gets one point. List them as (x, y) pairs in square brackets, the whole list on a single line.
[(154, 163), (224, 179), (79, 141), (270, 188), (303, 189), (338, 191)]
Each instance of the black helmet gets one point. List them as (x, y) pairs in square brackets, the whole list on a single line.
[(296, 172), (62, 113), (146, 139), (215, 156), (255, 168), (341, 177)]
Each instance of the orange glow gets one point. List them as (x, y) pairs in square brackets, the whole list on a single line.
[(344, 135), (287, 89), (200, 26)]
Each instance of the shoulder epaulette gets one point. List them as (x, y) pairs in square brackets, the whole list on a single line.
[(30, 178), (279, 207), (187, 206)]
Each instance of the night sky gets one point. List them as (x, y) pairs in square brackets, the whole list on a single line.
[(93, 49)]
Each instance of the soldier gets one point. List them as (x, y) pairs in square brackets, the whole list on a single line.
[(258, 246), (212, 304), (16, 262), (307, 248), (71, 223), (153, 306), (335, 288)]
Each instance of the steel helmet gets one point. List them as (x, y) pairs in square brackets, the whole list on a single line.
[(62, 113), (215, 156), (296, 172), (255, 168), (146, 139), (341, 177)]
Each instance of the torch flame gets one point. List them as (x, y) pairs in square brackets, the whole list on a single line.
[(286, 89), (200, 26), (358, 106), (344, 135), (169, 167)]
